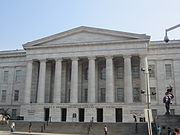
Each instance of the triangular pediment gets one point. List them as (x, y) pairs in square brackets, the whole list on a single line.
[(85, 35)]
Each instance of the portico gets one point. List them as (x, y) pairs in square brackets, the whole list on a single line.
[(98, 67)]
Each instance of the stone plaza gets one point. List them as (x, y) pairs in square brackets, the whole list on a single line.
[(86, 73)]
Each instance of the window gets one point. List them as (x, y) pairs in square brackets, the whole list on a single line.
[(69, 74), (103, 73), (136, 95), (86, 74), (18, 75), (3, 98), (172, 111), (135, 72), (16, 95), (154, 113), (152, 71), (168, 71), (153, 93), (67, 95), (120, 72), (6, 76), (84, 96), (102, 95), (120, 95), (14, 113)]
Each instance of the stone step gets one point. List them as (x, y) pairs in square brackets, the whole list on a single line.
[(80, 128)]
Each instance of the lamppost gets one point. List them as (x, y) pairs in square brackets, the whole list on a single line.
[(148, 113), (166, 39)]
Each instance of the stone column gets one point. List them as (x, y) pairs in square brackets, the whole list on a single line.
[(57, 81), (42, 79), (128, 93), (109, 80), (91, 80), (27, 92), (143, 60), (74, 81)]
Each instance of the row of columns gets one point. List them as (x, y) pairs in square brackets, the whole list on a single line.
[(74, 80)]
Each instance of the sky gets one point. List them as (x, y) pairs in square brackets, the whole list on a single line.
[(22, 21)]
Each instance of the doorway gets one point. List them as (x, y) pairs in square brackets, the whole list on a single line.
[(99, 115), (118, 114), (63, 114), (46, 114), (81, 114)]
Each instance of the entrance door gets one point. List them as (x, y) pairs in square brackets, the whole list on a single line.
[(100, 115), (118, 114), (81, 114), (46, 114), (63, 114)]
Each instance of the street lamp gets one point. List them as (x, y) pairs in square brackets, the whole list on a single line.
[(166, 39), (148, 112)]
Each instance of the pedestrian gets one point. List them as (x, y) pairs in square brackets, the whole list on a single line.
[(135, 117), (30, 126), (169, 131), (7, 119), (159, 130), (105, 130), (12, 126)]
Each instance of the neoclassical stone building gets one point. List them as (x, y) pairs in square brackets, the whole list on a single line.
[(88, 72)]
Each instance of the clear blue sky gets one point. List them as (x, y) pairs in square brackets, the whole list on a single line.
[(23, 21)]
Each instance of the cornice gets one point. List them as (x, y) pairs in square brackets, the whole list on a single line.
[(12, 53), (87, 44)]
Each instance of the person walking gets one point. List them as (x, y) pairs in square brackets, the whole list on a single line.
[(30, 126), (159, 130), (105, 130), (12, 126), (169, 131)]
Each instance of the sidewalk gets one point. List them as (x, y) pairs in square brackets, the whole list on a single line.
[(32, 133)]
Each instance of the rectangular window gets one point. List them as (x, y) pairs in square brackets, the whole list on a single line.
[(6, 76), (152, 71), (154, 113), (14, 113), (168, 71), (84, 96), (120, 95), (18, 75), (86, 74), (102, 95), (136, 95), (135, 72), (103, 73), (3, 97), (120, 72), (16, 95), (153, 93)]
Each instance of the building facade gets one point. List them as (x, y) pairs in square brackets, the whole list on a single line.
[(87, 73)]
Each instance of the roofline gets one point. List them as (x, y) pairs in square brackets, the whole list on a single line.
[(89, 43), (84, 28)]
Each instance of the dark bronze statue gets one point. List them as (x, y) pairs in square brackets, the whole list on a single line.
[(168, 99)]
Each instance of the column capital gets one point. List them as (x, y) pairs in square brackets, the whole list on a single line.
[(42, 60), (58, 59), (127, 56), (143, 56), (74, 58), (92, 58), (108, 57)]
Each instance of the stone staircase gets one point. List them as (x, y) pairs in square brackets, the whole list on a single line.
[(165, 121), (82, 128)]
